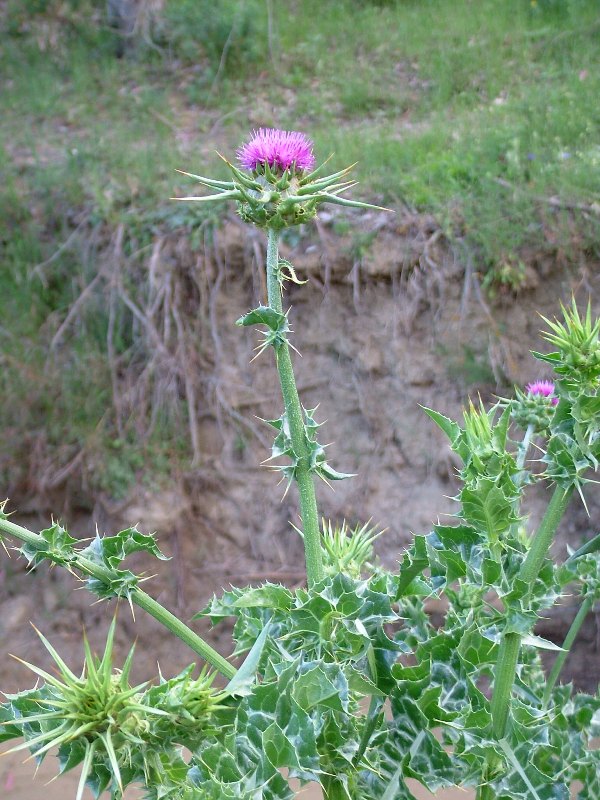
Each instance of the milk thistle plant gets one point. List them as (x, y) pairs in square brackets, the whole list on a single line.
[(347, 683)]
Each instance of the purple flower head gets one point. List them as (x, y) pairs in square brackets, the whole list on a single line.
[(278, 149), (544, 389)]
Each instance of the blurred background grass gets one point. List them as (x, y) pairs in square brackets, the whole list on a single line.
[(483, 114)]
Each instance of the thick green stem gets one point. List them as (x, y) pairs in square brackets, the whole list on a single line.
[(584, 610), (369, 727), (185, 634), (274, 297), (333, 788), (485, 792), (506, 670), (295, 416), (508, 655), (545, 535), (139, 597)]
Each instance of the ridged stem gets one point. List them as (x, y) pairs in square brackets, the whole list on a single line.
[(545, 535), (584, 610), (295, 417), (138, 596), (333, 788), (508, 655), (369, 728), (506, 670)]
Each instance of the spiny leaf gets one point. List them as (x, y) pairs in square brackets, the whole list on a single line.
[(270, 595), (321, 684), (246, 674), (591, 546), (456, 535), (288, 273), (8, 730), (500, 430), (264, 315), (56, 546), (110, 551), (487, 509), (451, 429), (540, 643), (414, 563), (327, 472), (272, 718)]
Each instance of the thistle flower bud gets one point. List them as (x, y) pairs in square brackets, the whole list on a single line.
[(119, 732), (97, 715), (544, 389), (348, 550), (535, 406), (577, 355)]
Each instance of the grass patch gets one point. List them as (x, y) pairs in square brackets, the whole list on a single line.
[(478, 112)]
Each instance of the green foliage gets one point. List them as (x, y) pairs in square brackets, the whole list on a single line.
[(96, 719), (187, 707), (586, 571), (283, 446), (318, 462), (500, 140), (577, 359), (278, 327), (118, 734), (108, 552), (315, 655), (574, 447), (230, 36), (348, 550), (56, 545)]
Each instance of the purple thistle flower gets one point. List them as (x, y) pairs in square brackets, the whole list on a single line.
[(279, 149), (542, 388)]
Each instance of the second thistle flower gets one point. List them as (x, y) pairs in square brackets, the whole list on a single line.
[(535, 406)]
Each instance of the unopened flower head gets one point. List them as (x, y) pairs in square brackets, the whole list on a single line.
[(535, 405), (543, 389), (577, 355), (279, 149)]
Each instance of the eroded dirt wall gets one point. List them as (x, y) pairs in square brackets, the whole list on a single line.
[(383, 329)]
